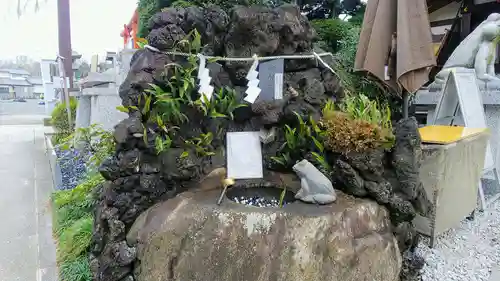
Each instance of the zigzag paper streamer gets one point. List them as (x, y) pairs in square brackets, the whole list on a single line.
[(205, 88), (253, 89), (201, 67)]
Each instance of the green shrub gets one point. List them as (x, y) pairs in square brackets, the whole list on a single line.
[(60, 120), (344, 134), (361, 125), (331, 32), (146, 9)]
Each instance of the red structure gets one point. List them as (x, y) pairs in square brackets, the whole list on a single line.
[(129, 32)]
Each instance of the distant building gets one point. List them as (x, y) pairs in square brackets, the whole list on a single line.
[(37, 89), (15, 83)]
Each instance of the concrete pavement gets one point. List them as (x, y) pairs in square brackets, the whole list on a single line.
[(27, 250), (495, 274)]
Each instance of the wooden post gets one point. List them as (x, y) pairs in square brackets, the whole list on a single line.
[(64, 29), (465, 23)]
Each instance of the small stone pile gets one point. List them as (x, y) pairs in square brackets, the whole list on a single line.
[(137, 177)]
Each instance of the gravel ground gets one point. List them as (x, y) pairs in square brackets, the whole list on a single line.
[(72, 168), (468, 252)]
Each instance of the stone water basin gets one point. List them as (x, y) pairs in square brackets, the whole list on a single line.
[(191, 238)]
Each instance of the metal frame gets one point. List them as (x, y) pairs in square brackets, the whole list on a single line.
[(450, 120)]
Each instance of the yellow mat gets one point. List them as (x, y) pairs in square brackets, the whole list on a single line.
[(447, 134)]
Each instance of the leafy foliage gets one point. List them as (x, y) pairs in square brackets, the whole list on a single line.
[(307, 136), (97, 143), (146, 9), (164, 105), (202, 145), (360, 107), (60, 120), (222, 105), (331, 33)]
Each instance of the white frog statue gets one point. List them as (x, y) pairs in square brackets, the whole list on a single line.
[(477, 51), (315, 187)]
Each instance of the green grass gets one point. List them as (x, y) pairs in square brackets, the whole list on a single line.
[(73, 224), (76, 270), (75, 240)]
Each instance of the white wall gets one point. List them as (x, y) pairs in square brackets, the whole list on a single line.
[(38, 89), (45, 68)]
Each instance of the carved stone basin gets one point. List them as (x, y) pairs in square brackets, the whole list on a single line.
[(189, 237)]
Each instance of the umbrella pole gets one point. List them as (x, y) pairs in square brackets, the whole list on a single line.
[(406, 101)]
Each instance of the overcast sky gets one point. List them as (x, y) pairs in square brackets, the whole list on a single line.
[(95, 27)]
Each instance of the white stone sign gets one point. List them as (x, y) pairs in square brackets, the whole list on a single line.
[(244, 155)]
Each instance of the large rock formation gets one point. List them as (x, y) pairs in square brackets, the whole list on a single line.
[(138, 177), (191, 238)]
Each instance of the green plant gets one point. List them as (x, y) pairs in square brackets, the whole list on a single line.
[(360, 107), (162, 143), (97, 142), (345, 134), (221, 105), (226, 102), (146, 9), (341, 38), (76, 270), (65, 216), (167, 106), (306, 137), (331, 32), (73, 222), (282, 197), (202, 145), (72, 205), (142, 42), (60, 122), (164, 104), (144, 100), (75, 240), (359, 125), (81, 195)]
